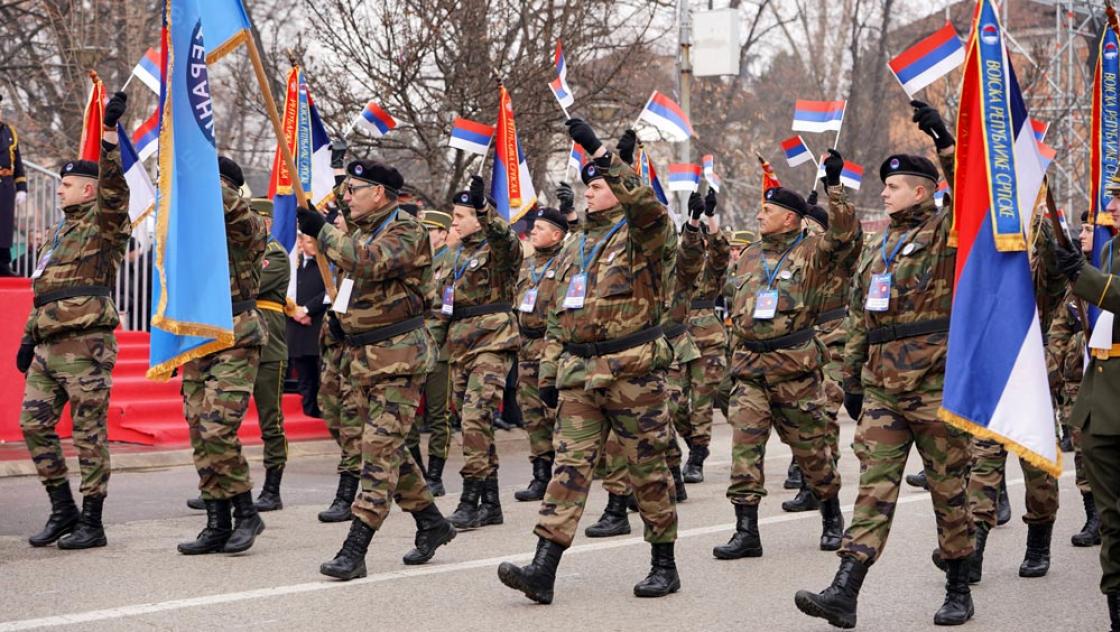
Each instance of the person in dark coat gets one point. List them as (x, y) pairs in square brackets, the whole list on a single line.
[(304, 327)]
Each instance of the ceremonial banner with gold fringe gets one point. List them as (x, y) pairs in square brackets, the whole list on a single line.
[(90, 146), (511, 186), (1104, 140), (227, 27)]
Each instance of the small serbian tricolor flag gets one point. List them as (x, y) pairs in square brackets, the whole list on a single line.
[(559, 86), (146, 137), (684, 176), (648, 173), (577, 157), (147, 70), (1047, 154), (668, 117), (141, 193), (1040, 128), (470, 136), (928, 60), (375, 120), (996, 383), (796, 151), (710, 175), (851, 176), (818, 116), (940, 193)]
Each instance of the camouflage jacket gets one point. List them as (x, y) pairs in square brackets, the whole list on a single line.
[(483, 271), (276, 271), (86, 248), (624, 291), (921, 290), (683, 267), (537, 272), (1050, 284), (441, 264), (325, 338), (800, 282), (703, 324), (246, 242), (388, 258), (1066, 340), (831, 331)]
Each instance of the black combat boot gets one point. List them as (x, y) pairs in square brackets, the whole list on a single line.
[(614, 521), (832, 524), (1090, 534), (537, 579), (432, 532), (247, 524), (417, 456), (1003, 504), (678, 482), (466, 515), (490, 509), (975, 561), (63, 518), (218, 528), (350, 561), (837, 603), (746, 541), (662, 579), (434, 475), (917, 480), (196, 503), (631, 503), (269, 500), (958, 598), (89, 533), (793, 476), (542, 473), (694, 469), (339, 511), (1036, 563), (1114, 611), (803, 501)]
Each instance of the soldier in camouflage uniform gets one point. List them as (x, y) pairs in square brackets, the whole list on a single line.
[(476, 322), (68, 348), (604, 366), (384, 295), (217, 386), (897, 334), (739, 240), (536, 289)]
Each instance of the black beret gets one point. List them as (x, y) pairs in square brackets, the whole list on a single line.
[(552, 216), (81, 168), (411, 209), (376, 173), (231, 171), (591, 171), (1084, 216), (818, 215), (462, 198), (787, 199), (904, 164)]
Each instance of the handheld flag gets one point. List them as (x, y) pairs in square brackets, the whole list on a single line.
[(146, 136), (90, 146), (769, 179), (147, 70), (648, 174), (851, 176), (374, 120), (1103, 132), (511, 186), (709, 162), (940, 193), (577, 157), (141, 193), (668, 117), (192, 314), (1047, 154), (227, 27), (995, 375), (1040, 128), (818, 116), (684, 176), (559, 85), (471, 137), (796, 151), (928, 60)]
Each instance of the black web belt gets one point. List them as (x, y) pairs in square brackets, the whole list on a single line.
[(709, 303), (880, 335), (71, 292), (384, 333), (674, 331), (796, 339), (831, 315), (459, 313), (533, 333), (607, 347)]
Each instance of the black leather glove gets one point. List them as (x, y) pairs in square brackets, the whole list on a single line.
[(114, 110), (833, 166), (710, 203), (338, 153), (567, 198), (695, 205), (550, 397), (25, 355), (582, 133), (478, 193), (310, 221), (335, 327), (626, 146), (853, 403), (929, 121), (1070, 260), (812, 199)]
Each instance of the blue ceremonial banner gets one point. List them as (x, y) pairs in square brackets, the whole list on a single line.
[(192, 313), (227, 27)]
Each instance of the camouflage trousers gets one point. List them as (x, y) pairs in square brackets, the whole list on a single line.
[(890, 424), (723, 394), (342, 422), (216, 392), (704, 376), (634, 408), (1070, 390), (76, 369), (478, 383), (436, 416), (989, 464), (792, 408), (540, 420), (268, 394), (388, 469)]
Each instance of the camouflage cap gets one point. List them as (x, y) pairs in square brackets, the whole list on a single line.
[(261, 206), (436, 219)]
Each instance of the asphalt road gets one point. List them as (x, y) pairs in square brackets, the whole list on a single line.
[(139, 582)]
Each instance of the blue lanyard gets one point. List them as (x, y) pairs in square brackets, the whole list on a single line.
[(771, 275), (585, 260), (392, 216), (883, 249), (57, 233), (536, 278), (460, 271)]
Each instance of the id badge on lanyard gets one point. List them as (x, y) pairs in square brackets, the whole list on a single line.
[(42, 265), (448, 301), (879, 293), (528, 302), (765, 304), (577, 291)]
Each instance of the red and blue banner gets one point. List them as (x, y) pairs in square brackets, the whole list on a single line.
[(648, 174), (1104, 143), (668, 117), (511, 186), (928, 60)]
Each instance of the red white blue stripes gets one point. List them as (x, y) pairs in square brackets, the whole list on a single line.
[(851, 176), (668, 117), (559, 85), (470, 136), (709, 162), (928, 60), (818, 116), (577, 157), (146, 137), (796, 151), (147, 70), (684, 176), (375, 120)]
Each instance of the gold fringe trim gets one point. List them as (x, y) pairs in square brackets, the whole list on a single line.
[(162, 371), (228, 46), (1010, 243), (1053, 468)]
